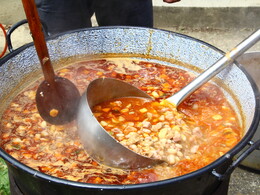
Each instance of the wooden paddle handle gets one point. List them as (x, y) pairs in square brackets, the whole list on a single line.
[(38, 39)]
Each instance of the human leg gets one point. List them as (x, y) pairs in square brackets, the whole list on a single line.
[(64, 15), (124, 12)]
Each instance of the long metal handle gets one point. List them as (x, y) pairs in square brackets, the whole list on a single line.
[(226, 60)]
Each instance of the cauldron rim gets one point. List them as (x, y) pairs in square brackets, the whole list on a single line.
[(212, 166)]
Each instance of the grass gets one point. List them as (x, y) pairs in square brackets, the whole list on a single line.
[(4, 180)]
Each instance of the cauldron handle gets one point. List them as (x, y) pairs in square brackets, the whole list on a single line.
[(14, 27), (253, 146), (5, 44)]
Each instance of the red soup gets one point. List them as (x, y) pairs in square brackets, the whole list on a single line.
[(204, 128)]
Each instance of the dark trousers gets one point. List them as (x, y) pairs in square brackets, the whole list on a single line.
[(64, 15)]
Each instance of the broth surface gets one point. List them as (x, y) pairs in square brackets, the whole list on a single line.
[(213, 128)]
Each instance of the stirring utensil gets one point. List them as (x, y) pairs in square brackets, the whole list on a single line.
[(97, 142), (57, 98), (104, 148), (226, 60)]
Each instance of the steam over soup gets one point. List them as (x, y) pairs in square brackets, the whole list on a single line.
[(204, 128)]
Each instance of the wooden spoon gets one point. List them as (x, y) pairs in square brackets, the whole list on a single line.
[(57, 98)]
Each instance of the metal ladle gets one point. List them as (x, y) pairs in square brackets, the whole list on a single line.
[(104, 148)]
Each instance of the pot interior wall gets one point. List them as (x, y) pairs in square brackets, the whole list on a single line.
[(21, 67)]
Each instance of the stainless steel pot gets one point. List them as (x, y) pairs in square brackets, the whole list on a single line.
[(21, 67)]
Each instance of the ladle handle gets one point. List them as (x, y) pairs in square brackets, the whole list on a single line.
[(38, 39), (226, 60)]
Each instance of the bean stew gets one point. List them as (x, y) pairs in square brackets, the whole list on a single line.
[(203, 129)]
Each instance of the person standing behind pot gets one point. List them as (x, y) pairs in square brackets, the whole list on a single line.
[(63, 15)]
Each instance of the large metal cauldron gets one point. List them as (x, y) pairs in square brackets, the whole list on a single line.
[(21, 67)]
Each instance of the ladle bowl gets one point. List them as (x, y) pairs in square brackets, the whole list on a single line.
[(99, 144)]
